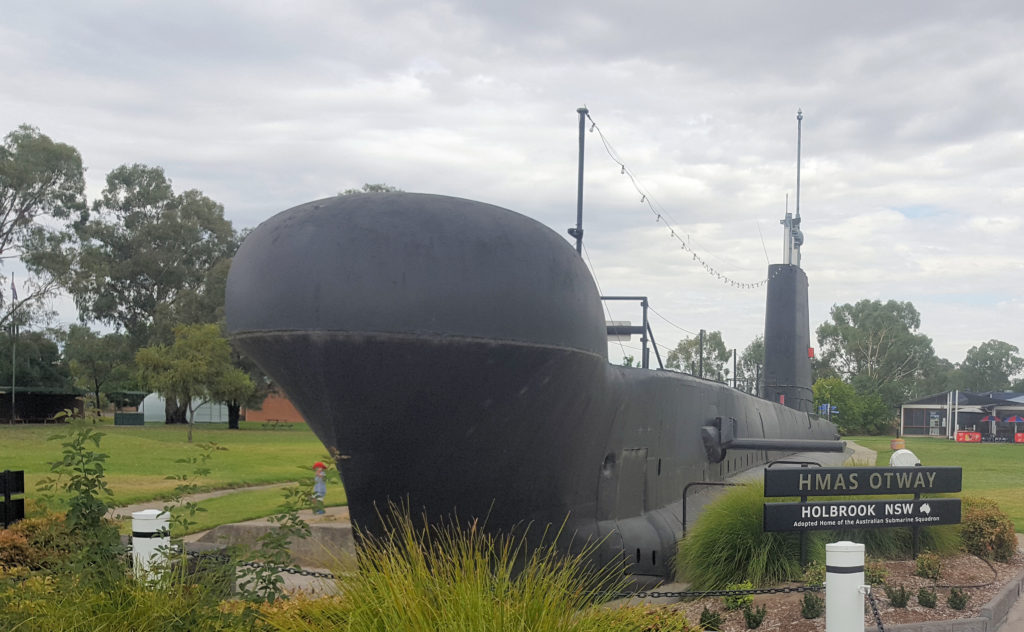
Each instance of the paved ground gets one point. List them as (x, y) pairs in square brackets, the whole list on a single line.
[(128, 510), (1015, 618)]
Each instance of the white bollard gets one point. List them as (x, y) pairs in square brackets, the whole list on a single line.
[(844, 581), (150, 532)]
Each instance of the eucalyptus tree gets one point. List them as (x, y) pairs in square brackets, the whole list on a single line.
[(876, 347), (713, 358), (42, 188)]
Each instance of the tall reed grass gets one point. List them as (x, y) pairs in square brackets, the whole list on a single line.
[(424, 579), (728, 545)]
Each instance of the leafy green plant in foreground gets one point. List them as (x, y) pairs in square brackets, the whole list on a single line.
[(710, 619), (80, 473), (929, 566), (812, 606), (262, 582), (927, 598), (958, 599), (898, 596), (753, 617)]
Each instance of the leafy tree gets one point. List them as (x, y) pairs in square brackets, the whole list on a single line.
[(750, 368), (195, 369), (876, 347), (147, 258), (686, 357), (990, 366), (40, 180), (98, 363), (937, 375), (858, 414), (37, 360), (372, 188), (253, 398)]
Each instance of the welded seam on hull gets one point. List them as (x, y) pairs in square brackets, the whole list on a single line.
[(393, 337)]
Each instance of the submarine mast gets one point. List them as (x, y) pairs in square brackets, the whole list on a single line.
[(787, 349)]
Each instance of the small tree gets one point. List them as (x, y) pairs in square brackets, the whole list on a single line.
[(196, 369)]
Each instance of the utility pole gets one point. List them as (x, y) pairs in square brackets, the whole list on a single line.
[(577, 232), (14, 352), (734, 368), (700, 365)]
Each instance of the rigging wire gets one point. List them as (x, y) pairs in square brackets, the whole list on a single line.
[(662, 215), (763, 247), (692, 333), (607, 310)]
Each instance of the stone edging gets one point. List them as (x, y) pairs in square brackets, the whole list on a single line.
[(993, 614)]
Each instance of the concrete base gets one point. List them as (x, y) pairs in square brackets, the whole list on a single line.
[(330, 544)]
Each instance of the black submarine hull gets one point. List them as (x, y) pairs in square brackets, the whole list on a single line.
[(454, 356)]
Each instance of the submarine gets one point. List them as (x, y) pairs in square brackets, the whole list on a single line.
[(452, 355)]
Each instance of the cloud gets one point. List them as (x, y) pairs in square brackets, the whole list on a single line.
[(911, 138)]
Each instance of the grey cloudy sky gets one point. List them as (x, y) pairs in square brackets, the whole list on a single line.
[(913, 136)]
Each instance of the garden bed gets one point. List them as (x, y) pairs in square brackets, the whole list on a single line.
[(784, 608)]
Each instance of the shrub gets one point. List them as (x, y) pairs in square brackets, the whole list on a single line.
[(49, 538), (735, 602), (812, 606), (443, 577), (927, 598), (16, 551), (986, 531), (898, 597), (875, 572), (814, 574), (728, 545), (754, 616), (710, 619), (958, 599), (928, 566)]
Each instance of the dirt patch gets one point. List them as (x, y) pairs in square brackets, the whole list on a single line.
[(961, 570)]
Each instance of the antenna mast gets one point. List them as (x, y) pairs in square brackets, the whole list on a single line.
[(793, 237)]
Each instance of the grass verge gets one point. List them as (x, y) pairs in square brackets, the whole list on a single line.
[(990, 470)]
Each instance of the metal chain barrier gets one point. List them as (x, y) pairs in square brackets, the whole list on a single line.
[(291, 570), (696, 594), (874, 609)]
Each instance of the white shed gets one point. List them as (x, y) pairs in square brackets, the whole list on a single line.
[(152, 407)]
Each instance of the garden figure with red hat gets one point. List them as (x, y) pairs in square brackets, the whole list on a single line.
[(319, 487)]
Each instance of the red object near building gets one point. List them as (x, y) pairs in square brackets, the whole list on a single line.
[(810, 352), (968, 437), (1018, 437), (276, 407)]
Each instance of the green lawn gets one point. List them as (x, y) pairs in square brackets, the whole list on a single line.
[(141, 457), (991, 470)]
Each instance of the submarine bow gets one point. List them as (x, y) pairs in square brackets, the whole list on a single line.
[(452, 355)]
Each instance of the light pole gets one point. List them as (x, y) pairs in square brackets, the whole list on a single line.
[(14, 355)]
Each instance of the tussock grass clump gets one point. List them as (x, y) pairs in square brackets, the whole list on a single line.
[(115, 602), (423, 579), (894, 544), (728, 545)]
